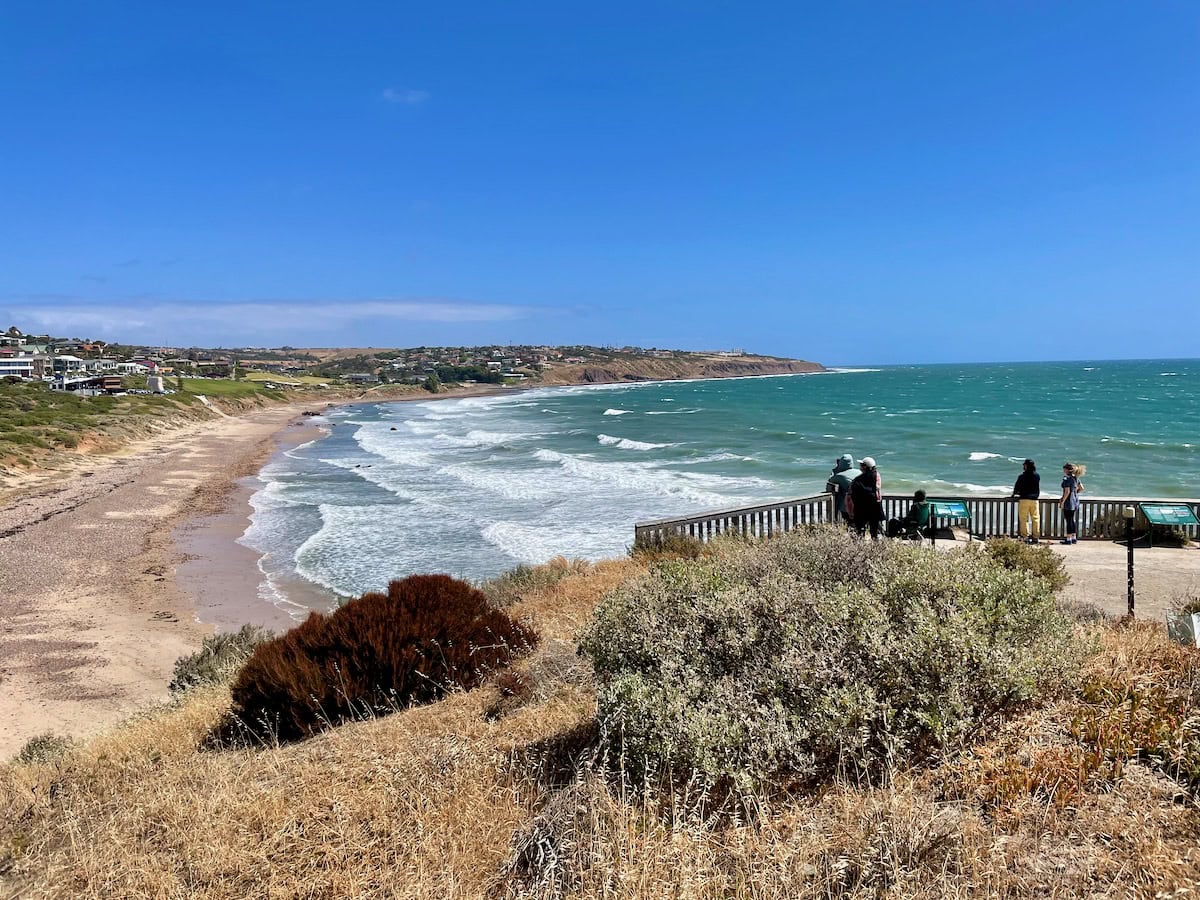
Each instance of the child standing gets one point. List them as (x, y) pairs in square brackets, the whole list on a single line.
[(1071, 489)]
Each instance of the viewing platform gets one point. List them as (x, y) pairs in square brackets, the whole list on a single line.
[(1099, 519), (1097, 564)]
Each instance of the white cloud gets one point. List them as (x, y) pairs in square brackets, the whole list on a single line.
[(405, 96), (239, 323)]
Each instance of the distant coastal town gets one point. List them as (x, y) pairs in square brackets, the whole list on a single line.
[(67, 361)]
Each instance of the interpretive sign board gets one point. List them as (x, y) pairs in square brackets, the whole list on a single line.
[(1169, 514), (949, 509)]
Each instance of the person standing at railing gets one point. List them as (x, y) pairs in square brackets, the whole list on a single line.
[(839, 485), (1072, 487), (1028, 488), (866, 499)]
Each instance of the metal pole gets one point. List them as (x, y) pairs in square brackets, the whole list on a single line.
[(1129, 544)]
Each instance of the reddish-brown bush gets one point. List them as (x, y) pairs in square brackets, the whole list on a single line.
[(383, 651)]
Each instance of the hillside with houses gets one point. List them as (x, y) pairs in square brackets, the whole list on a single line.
[(64, 362)]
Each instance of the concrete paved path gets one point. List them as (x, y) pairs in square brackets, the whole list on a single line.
[(1161, 576)]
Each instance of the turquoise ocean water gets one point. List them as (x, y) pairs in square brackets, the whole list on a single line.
[(475, 486)]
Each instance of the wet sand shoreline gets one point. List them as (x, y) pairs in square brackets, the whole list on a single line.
[(222, 576)]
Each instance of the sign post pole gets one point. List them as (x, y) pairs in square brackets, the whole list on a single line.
[(1128, 513)]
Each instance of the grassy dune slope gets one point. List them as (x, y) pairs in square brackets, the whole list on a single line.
[(481, 796), (39, 427), (44, 429)]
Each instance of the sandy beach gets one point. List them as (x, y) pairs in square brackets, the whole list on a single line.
[(92, 616), (113, 569)]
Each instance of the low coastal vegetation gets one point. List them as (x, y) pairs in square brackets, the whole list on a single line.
[(778, 664), (914, 723), (36, 422), (42, 428), (33, 416), (425, 636), (512, 586), (219, 659), (1037, 560)]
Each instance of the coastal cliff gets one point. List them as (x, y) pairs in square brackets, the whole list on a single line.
[(693, 365)]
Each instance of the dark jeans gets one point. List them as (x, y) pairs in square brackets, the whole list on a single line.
[(861, 525), (1069, 519)]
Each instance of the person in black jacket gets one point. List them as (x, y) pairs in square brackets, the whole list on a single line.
[(1028, 488), (866, 499)]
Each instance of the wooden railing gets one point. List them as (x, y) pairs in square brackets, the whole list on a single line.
[(757, 521), (1100, 518)]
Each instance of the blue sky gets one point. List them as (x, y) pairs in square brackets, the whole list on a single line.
[(848, 182)]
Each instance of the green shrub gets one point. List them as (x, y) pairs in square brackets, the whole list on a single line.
[(786, 661), (427, 635), (1037, 560), (218, 659), (45, 748)]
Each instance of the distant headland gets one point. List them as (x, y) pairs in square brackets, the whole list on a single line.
[(525, 363)]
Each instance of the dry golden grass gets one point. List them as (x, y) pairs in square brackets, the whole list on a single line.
[(438, 801)]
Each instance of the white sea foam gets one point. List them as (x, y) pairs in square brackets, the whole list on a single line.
[(391, 449), (533, 544), (980, 455), (979, 488), (615, 412), (294, 452), (512, 485), (423, 426), (395, 479), (645, 479), (713, 458), (333, 556), (686, 411), (628, 444), (492, 438)]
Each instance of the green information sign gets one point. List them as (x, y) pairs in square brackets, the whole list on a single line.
[(949, 509), (1169, 513)]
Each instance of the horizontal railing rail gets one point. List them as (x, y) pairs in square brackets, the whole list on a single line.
[(1099, 518), (757, 521)]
